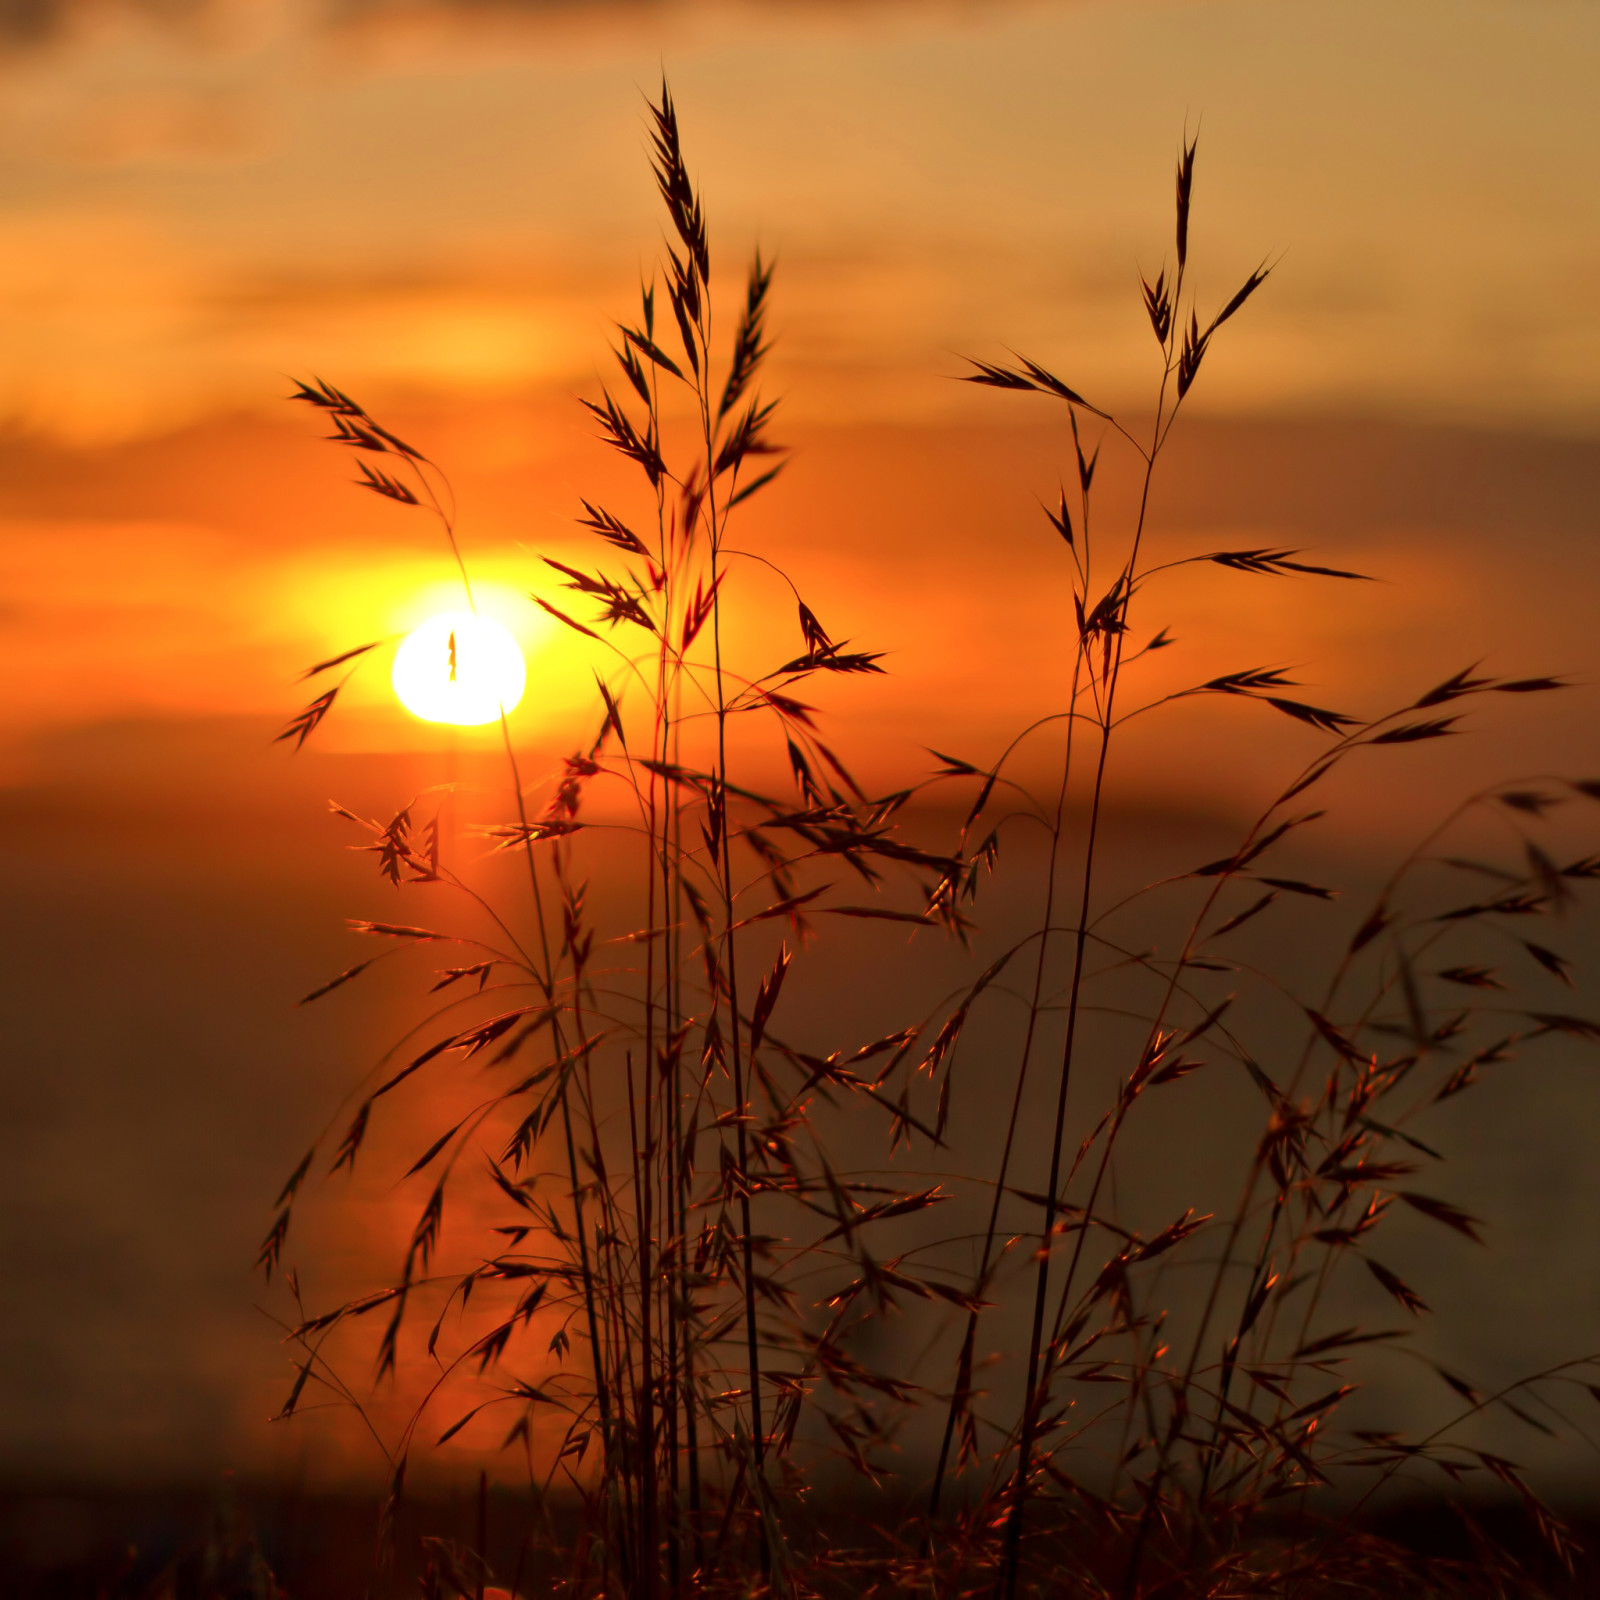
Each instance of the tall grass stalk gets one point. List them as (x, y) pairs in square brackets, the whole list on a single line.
[(691, 1292)]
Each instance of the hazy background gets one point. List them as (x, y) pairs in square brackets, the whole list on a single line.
[(440, 207)]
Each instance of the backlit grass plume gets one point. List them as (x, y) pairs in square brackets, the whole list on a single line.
[(671, 1317)]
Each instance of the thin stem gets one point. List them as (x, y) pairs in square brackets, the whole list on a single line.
[(1032, 1395)]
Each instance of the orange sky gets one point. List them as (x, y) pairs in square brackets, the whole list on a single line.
[(440, 207), (451, 197)]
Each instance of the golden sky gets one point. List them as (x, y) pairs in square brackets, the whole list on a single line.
[(196, 200), (440, 206)]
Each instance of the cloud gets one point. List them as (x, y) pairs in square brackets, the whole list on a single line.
[(28, 24), (203, 197), (33, 22)]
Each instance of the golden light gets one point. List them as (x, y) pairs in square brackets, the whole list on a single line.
[(458, 667)]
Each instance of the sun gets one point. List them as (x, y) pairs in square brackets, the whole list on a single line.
[(458, 667)]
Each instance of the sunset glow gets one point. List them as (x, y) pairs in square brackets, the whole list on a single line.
[(594, 748), (459, 668)]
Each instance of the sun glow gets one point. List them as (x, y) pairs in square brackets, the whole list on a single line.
[(458, 667)]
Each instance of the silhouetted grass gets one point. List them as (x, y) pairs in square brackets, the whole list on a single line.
[(688, 1249)]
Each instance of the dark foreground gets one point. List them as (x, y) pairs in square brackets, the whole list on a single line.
[(236, 1542)]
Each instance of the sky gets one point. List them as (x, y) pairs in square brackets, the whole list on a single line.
[(441, 207), (447, 197)]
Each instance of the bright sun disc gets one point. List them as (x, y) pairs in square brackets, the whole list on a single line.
[(460, 668)]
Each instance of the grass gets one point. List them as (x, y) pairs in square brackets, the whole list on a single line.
[(671, 1320)]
